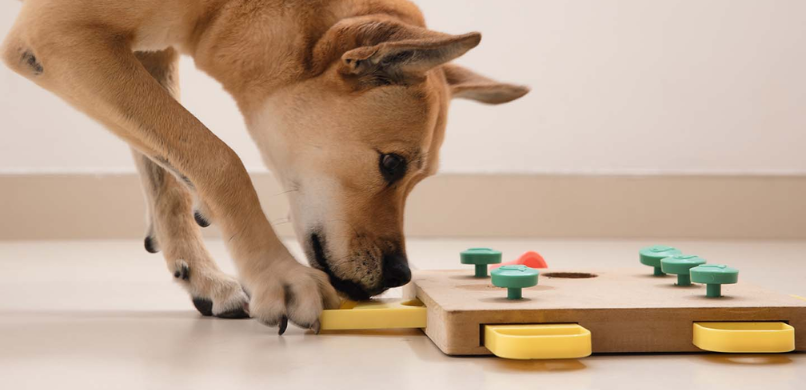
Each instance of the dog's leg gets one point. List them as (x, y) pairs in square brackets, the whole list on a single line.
[(171, 223), (173, 231), (97, 72)]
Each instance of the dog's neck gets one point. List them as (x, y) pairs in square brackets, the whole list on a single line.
[(253, 48)]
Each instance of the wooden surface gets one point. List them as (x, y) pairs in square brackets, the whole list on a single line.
[(625, 310)]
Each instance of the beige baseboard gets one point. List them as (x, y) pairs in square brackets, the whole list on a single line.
[(81, 206)]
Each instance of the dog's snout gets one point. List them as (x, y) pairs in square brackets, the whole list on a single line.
[(396, 270)]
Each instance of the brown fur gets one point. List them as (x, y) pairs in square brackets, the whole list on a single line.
[(326, 87)]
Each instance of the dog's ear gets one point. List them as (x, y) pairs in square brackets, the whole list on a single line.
[(467, 84), (394, 61)]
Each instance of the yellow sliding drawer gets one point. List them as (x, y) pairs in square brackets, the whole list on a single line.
[(377, 314), (744, 337), (543, 341)]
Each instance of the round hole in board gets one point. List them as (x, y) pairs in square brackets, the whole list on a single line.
[(569, 275)]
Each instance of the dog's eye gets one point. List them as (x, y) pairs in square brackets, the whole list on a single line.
[(392, 166)]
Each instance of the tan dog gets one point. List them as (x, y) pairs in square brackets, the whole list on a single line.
[(347, 100)]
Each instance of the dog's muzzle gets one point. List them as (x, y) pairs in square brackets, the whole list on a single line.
[(396, 272)]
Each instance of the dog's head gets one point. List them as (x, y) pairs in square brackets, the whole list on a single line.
[(351, 143)]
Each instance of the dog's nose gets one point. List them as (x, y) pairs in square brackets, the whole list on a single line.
[(395, 270)]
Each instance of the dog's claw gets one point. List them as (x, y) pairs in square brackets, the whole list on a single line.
[(150, 243), (182, 270), (315, 327), (200, 219), (283, 325)]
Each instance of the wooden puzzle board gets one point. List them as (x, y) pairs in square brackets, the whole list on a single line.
[(625, 310)]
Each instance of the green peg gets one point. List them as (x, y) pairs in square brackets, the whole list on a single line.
[(481, 258), (714, 276), (652, 255), (680, 265), (514, 278)]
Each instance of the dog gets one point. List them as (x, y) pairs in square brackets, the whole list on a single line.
[(346, 99)]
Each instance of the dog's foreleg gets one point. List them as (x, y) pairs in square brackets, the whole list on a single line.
[(97, 72), (171, 224), (173, 231)]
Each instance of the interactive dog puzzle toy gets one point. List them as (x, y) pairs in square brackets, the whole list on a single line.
[(579, 312)]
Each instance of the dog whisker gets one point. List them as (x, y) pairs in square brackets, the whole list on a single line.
[(280, 222)]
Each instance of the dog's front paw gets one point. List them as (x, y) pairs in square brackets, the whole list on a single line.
[(291, 291), (213, 292)]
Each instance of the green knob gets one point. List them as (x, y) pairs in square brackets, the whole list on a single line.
[(652, 255), (514, 278), (714, 276), (481, 258), (680, 265)]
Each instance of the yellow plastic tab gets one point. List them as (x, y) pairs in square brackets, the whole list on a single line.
[(376, 314), (545, 341), (744, 337)]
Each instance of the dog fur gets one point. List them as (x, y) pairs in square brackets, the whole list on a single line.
[(346, 99)]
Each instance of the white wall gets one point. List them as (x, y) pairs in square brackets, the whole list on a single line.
[(619, 86)]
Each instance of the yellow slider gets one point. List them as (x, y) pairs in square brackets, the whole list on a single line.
[(539, 341), (375, 314), (744, 337)]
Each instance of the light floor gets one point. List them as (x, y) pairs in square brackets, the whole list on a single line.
[(105, 314)]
